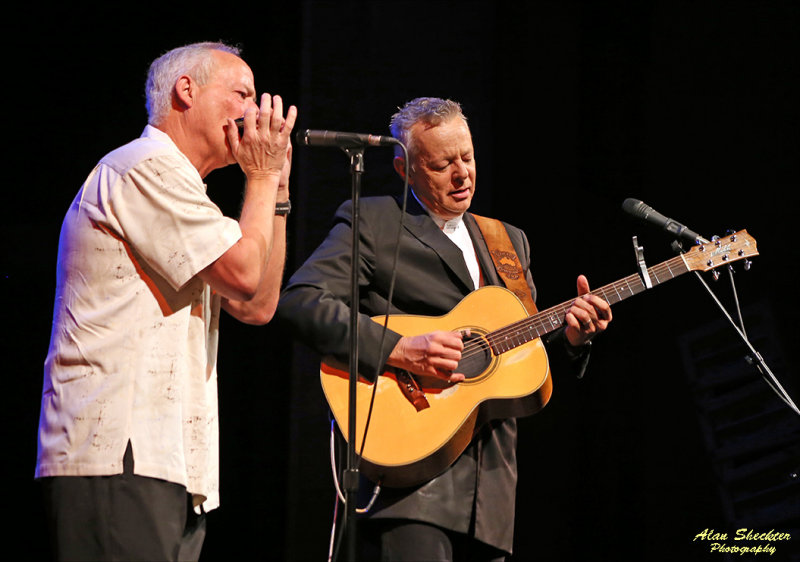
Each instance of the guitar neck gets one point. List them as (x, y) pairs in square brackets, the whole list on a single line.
[(542, 323), (703, 257), (634, 284)]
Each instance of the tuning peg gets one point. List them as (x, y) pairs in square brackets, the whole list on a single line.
[(747, 265), (715, 274)]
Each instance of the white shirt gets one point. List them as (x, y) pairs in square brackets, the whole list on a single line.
[(456, 230), (134, 338)]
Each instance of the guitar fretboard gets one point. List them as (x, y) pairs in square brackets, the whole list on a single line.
[(541, 323)]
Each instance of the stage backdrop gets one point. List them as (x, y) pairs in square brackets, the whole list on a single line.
[(574, 106)]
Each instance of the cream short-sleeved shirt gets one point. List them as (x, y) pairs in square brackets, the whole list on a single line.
[(134, 338)]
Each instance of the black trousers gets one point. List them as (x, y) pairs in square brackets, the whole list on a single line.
[(121, 518), (397, 540)]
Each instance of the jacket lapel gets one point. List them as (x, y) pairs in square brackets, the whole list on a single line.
[(420, 225)]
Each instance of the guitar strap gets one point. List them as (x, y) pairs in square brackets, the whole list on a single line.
[(508, 267), (505, 259)]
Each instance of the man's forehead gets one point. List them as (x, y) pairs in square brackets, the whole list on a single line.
[(232, 63), (231, 67), (445, 136)]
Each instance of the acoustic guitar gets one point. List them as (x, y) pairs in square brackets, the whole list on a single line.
[(418, 425)]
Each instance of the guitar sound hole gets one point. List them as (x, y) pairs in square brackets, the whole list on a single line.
[(476, 358)]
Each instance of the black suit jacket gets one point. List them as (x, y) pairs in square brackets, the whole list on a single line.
[(477, 494)]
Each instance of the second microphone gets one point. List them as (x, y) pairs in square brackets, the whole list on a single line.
[(310, 137)]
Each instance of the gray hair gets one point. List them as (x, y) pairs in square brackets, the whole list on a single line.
[(196, 60), (431, 111)]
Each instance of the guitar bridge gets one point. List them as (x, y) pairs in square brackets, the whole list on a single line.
[(411, 390)]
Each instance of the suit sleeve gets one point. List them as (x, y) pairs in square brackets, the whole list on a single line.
[(316, 302)]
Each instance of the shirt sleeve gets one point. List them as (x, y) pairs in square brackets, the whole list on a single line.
[(164, 214)]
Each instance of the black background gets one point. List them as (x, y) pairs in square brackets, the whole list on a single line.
[(574, 106)]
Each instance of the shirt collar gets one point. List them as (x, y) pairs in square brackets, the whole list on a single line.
[(152, 132), (448, 226), (157, 134)]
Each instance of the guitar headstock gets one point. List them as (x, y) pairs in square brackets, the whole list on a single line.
[(720, 251)]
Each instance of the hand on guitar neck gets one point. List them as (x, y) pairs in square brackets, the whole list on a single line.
[(434, 354), (588, 316)]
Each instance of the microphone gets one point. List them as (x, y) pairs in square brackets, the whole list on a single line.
[(643, 212), (309, 137)]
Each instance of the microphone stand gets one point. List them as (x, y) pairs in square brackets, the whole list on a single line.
[(353, 145), (350, 475), (754, 358)]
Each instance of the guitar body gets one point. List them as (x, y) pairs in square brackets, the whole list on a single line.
[(406, 446)]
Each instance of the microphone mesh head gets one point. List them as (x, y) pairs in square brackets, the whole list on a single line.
[(634, 207)]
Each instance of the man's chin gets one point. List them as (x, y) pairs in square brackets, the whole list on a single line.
[(461, 204)]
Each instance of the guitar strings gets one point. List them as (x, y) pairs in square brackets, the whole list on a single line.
[(517, 333), (615, 292)]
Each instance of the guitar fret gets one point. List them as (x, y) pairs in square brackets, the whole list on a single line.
[(638, 286), (628, 285), (678, 270), (508, 343), (654, 275), (620, 289), (664, 271), (532, 335)]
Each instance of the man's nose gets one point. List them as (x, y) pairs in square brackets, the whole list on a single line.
[(461, 172)]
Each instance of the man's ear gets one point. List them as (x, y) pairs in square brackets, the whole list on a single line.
[(400, 166), (185, 90)]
